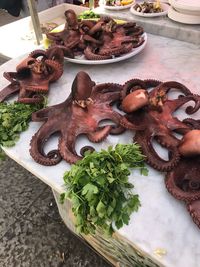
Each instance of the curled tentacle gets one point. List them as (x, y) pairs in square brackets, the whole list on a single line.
[(167, 86), (194, 210), (38, 53), (56, 54), (86, 149), (100, 134), (135, 84), (117, 129), (57, 70), (192, 123), (37, 148), (183, 182), (91, 55), (67, 150), (152, 158), (10, 89)]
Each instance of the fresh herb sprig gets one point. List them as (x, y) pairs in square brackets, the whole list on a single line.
[(14, 119), (99, 189), (88, 14)]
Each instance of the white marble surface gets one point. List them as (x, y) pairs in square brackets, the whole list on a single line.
[(162, 222)]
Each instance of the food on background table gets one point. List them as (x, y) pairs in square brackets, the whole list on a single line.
[(99, 189), (33, 76), (118, 2), (88, 14), (148, 7), (96, 40)]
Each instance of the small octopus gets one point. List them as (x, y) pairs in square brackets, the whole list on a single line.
[(33, 76)]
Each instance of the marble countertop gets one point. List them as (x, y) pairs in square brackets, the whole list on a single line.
[(162, 222), (158, 25)]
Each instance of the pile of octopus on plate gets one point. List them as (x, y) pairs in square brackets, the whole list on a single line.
[(148, 112), (96, 40)]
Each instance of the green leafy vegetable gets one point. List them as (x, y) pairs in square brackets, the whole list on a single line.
[(14, 119), (88, 14), (99, 189)]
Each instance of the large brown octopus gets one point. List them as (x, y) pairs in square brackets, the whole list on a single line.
[(33, 75), (97, 40), (155, 109), (157, 114), (80, 114)]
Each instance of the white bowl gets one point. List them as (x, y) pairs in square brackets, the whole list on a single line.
[(188, 7), (183, 18)]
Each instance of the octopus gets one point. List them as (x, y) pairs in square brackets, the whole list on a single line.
[(33, 76), (183, 182), (155, 109), (96, 40), (82, 113)]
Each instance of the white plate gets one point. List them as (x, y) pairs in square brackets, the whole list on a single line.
[(164, 7), (82, 60), (117, 7)]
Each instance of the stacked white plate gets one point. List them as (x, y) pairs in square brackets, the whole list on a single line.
[(185, 11)]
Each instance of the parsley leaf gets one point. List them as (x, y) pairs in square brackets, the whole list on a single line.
[(99, 189), (14, 119)]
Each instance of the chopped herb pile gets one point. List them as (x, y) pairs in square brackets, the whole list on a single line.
[(99, 189), (88, 14), (14, 119)]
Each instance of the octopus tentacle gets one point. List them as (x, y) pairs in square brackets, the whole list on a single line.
[(183, 182), (89, 54), (192, 123), (57, 70), (177, 103), (152, 157), (37, 145), (66, 147), (31, 100), (38, 53), (178, 192), (194, 210), (11, 76), (117, 129), (115, 51), (10, 89), (56, 54), (167, 86), (100, 134)]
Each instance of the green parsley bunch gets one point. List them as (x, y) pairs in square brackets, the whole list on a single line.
[(14, 119), (99, 189)]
